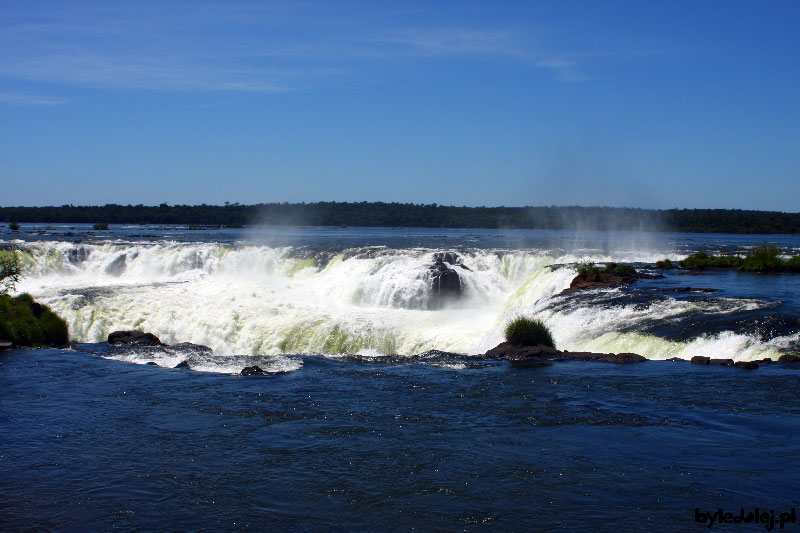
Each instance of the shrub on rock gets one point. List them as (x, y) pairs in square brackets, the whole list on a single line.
[(523, 331), (28, 323)]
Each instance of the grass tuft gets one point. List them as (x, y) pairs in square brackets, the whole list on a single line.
[(523, 331)]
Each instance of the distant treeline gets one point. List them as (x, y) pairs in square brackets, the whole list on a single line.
[(418, 215)]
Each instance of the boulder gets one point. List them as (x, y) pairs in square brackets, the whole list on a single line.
[(747, 365), (675, 359), (182, 364), (133, 337), (789, 358), (445, 284), (700, 360), (721, 362), (251, 370)]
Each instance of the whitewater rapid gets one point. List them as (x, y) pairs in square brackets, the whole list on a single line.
[(247, 299)]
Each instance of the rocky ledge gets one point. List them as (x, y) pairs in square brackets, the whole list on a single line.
[(606, 278), (509, 352)]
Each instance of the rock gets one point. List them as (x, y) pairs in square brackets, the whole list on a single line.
[(506, 350), (789, 358), (131, 337), (251, 370), (445, 284), (509, 352), (602, 278), (605, 357), (188, 346), (676, 359), (182, 364), (151, 363), (765, 361), (78, 255), (704, 290), (721, 362), (747, 365), (700, 360), (451, 258)]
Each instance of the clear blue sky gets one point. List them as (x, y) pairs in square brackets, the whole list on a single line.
[(642, 104)]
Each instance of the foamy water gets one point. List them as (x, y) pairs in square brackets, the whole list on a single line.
[(246, 300)]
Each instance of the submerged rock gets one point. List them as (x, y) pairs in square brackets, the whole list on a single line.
[(189, 346), (747, 365), (133, 337)]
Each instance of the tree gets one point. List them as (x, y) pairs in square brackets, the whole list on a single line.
[(10, 271)]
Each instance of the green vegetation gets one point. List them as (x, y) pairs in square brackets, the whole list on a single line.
[(101, 226), (10, 271), (764, 258), (620, 270), (343, 214), (586, 269), (523, 331), (702, 261), (666, 264), (23, 321), (27, 323)]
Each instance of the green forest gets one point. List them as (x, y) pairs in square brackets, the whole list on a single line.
[(417, 215)]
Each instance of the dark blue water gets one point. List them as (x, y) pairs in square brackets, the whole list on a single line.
[(93, 444)]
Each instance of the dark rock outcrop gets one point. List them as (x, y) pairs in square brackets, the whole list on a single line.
[(445, 281), (78, 255), (700, 360), (721, 362), (252, 370), (509, 352), (133, 337), (182, 364), (747, 365), (451, 258), (606, 278), (789, 358)]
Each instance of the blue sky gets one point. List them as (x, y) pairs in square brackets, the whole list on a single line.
[(642, 104)]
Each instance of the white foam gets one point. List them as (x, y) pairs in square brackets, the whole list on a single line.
[(256, 299)]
